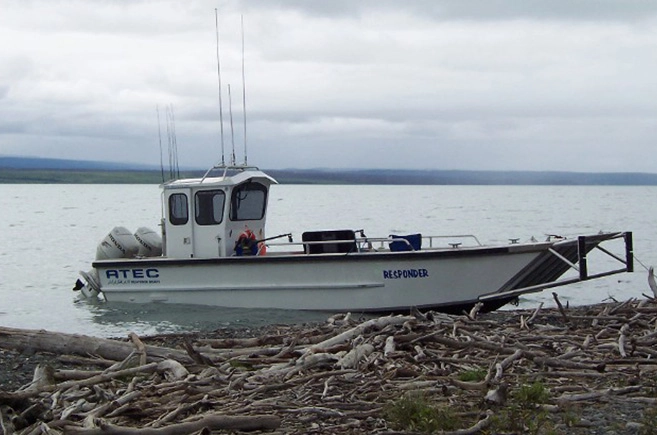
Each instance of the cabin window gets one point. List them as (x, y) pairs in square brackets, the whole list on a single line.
[(209, 207), (248, 202), (178, 214)]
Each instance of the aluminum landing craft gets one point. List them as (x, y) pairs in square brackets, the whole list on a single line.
[(213, 250)]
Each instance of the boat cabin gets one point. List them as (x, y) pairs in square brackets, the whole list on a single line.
[(207, 217)]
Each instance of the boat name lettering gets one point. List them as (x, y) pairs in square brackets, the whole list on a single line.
[(405, 273), (132, 273)]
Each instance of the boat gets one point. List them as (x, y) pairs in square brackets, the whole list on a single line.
[(213, 249)]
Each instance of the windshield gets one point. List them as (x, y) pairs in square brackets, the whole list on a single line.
[(248, 202)]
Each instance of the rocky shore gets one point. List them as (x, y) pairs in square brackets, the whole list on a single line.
[(583, 370)]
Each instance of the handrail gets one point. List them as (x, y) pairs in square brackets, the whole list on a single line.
[(454, 236), (381, 241), (226, 168)]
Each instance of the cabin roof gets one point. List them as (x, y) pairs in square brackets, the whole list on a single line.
[(230, 176)]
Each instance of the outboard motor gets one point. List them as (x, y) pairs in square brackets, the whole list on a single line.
[(150, 242), (119, 243), (90, 288)]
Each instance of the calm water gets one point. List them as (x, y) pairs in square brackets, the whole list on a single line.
[(50, 232)]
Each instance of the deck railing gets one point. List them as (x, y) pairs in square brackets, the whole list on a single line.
[(378, 244)]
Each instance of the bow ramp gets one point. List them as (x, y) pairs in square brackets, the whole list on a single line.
[(570, 257)]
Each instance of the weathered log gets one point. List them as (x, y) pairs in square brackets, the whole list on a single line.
[(561, 308), (651, 281), (72, 375), (621, 340), (354, 356), (196, 356), (173, 370), (228, 343), (210, 422), (106, 407), (141, 348), (44, 376), (60, 343), (358, 330), (389, 346), (474, 429), (593, 395), (384, 358), (534, 314), (104, 377)]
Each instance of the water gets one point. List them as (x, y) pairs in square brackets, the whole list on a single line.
[(50, 232)]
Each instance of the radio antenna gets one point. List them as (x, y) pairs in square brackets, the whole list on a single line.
[(243, 92), (169, 142), (174, 169), (221, 112), (159, 135), (232, 132)]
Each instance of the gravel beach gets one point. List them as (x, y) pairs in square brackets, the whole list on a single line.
[(618, 396)]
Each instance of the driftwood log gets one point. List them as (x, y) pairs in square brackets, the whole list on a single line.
[(60, 343), (340, 376)]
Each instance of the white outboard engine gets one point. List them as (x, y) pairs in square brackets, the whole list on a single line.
[(150, 242), (119, 243), (90, 288)]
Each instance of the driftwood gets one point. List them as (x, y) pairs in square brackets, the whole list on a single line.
[(210, 422), (60, 343), (338, 377)]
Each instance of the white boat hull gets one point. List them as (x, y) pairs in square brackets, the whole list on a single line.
[(330, 282), (214, 253)]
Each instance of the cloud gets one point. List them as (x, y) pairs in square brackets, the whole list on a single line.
[(587, 10), (418, 84)]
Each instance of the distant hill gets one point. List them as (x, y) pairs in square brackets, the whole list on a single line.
[(461, 177), (36, 170), (87, 165)]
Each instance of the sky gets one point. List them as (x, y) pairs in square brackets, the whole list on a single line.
[(559, 85)]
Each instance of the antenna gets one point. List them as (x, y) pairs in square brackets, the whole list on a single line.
[(232, 132), (175, 144), (169, 144), (174, 170), (244, 92), (159, 135), (221, 113)]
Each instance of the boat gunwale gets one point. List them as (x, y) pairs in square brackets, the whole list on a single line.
[(312, 258)]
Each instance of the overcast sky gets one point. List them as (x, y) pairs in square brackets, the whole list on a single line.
[(482, 84)]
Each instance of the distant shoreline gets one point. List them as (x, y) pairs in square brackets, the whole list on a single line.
[(339, 176), (17, 170)]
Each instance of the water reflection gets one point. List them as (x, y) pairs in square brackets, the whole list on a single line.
[(120, 318)]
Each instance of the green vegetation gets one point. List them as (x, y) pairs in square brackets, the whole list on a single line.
[(473, 375), (62, 176), (649, 422), (26, 170), (414, 412), (523, 413), (95, 176), (531, 395)]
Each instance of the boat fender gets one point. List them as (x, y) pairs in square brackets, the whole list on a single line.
[(246, 244)]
